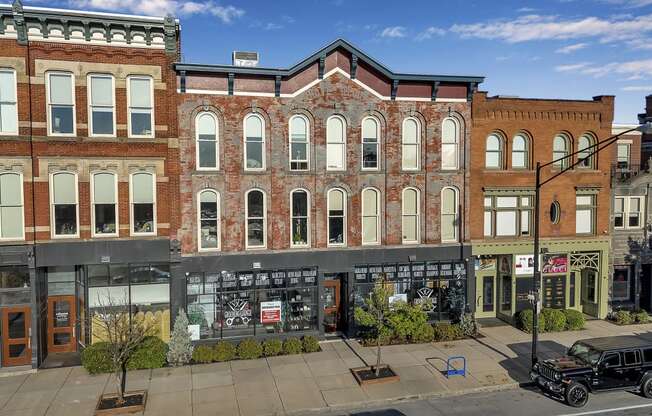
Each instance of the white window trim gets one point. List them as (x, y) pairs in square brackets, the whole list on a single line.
[(377, 168), (458, 131), (151, 92), (290, 160), (12, 133), (568, 144), (344, 218), (117, 211), (22, 204), (263, 143), (592, 158), (247, 246), (418, 216), (362, 216), (217, 142), (456, 212), (53, 227), (626, 212), (131, 205), (219, 222), (526, 152), (48, 104), (90, 104), (418, 145), (343, 143), (593, 209), (292, 243), (501, 151)]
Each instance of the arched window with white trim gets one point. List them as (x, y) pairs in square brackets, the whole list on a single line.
[(104, 201), (410, 211), (520, 152), (11, 206), (560, 151), (370, 143), (584, 149), (370, 216), (254, 151), (410, 144), (335, 143), (208, 211), (449, 214), (299, 143), (143, 203), (256, 215), (450, 142), (207, 148), (494, 152), (64, 200), (336, 217), (300, 218)]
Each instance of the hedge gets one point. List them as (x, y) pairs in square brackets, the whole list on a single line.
[(150, 354), (551, 320)]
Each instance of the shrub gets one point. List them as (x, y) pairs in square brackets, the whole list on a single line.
[(404, 320), (249, 349), (202, 354), (469, 325), (310, 344), (272, 347), (623, 317), (574, 320), (640, 317), (555, 320), (95, 358), (180, 346), (292, 346), (447, 332), (424, 333), (224, 351), (151, 353), (524, 321)]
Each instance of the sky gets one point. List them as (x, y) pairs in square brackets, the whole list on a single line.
[(569, 49)]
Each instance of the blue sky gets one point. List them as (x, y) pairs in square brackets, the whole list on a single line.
[(544, 49)]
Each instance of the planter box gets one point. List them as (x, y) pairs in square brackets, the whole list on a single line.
[(366, 375), (135, 402)]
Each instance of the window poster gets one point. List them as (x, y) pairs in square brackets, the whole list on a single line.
[(554, 263), (524, 264)]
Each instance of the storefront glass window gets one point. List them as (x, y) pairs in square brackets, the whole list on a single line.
[(16, 277), (61, 280)]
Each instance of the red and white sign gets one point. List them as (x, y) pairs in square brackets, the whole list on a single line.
[(270, 312)]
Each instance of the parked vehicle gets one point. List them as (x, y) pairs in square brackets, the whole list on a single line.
[(595, 365)]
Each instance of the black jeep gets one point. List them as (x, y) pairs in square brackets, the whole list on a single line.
[(597, 364)]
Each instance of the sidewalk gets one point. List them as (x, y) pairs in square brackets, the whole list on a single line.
[(300, 383)]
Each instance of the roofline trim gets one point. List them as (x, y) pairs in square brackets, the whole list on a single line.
[(91, 14)]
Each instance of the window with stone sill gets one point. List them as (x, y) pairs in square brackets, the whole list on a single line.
[(140, 103), (335, 143), (337, 217), (585, 214), (61, 103), (209, 219), (65, 215), (450, 139), (256, 219), (11, 206), (8, 102), (143, 203), (507, 216), (104, 204), (628, 212), (207, 146), (300, 218), (254, 149), (299, 143), (101, 105), (370, 143)]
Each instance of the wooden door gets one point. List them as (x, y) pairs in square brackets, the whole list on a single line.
[(331, 305), (16, 340), (61, 324)]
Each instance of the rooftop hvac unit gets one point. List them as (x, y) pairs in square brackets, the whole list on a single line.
[(249, 59)]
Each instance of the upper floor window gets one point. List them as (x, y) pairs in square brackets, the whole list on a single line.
[(256, 215), (628, 211), (209, 220), (506, 216), (449, 214), (411, 208), (520, 152), (8, 106), (299, 143), (450, 142), (370, 216), (143, 203), (101, 105), (254, 131), (61, 103), (11, 206), (584, 214), (300, 221), (560, 151), (370, 143), (494, 152), (335, 143), (584, 149), (410, 144), (141, 109), (104, 201), (207, 145), (65, 212), (622, 157), (336, 217)]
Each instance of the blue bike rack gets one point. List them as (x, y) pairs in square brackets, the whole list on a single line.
[(451, 370)]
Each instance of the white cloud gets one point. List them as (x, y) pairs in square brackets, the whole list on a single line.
[(572, 67), (632, 4), (633, 70), (393, 32), (572, 48), (637, 88), (526, 10), (430, 32)]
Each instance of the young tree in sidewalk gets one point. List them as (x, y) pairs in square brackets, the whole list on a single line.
[(180, 345)]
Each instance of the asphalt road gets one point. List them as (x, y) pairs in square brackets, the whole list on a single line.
[(520, 402)]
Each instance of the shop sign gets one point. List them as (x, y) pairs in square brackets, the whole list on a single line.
[(194, 331), (524, 264), (485, 264), (237, 309), (554, 263), (425, 299), (270, 312)]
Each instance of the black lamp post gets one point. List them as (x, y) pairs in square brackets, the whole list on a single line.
[(645, 128)]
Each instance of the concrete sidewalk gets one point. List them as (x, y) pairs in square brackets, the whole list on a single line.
[(300, 383)]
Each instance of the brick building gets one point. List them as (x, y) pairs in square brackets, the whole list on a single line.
[(88, 173), (300, 185), (509, 136)]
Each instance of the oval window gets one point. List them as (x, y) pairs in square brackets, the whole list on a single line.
[(555, 212)]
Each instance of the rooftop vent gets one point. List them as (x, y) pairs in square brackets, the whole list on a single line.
[(249, 59)]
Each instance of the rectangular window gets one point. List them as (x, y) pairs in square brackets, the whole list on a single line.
[(584, 214), (63, 189), (510, 214), (620, 289), (571, 290), (61, 103), (8, 105), (143, 203), (141, 110), (623, 155), (101, 105), (619, 212), (11, 206), (628, 212), (104, 200)]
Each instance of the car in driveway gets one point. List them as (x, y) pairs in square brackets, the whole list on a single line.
[(595, 365)]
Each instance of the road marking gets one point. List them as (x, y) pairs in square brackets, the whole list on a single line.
[(617, 409)]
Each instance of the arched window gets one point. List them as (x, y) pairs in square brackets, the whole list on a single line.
[(410, 211), (300, 221), (335, 143), (256, 214), (65, 211), (494, 152), (299, 143), (11, 206), (336, 217), (560, 149), (370, 143), (208, 212), (207, 144), (449, 215), (104, 192), (450, 139), (254, 131), (370, 216), (520, 153), (143, 203), (410, 144), (584, 149)]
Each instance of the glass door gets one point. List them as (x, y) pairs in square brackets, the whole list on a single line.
[(331, 305), (16, 340), (61, 324)]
